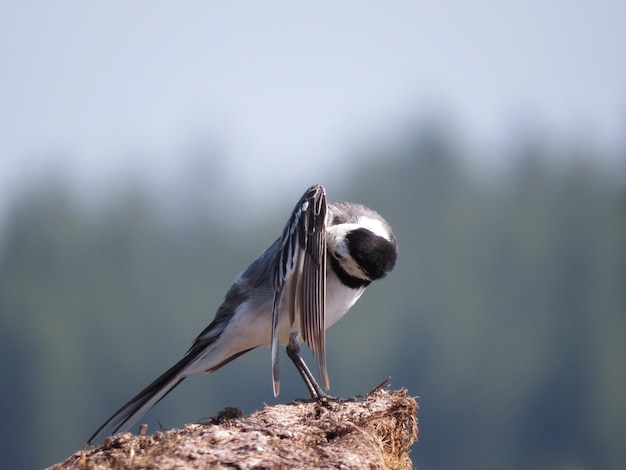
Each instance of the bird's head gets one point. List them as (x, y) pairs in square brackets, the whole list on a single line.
[(365, 249)]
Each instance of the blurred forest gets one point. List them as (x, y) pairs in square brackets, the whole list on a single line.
[(506, 313)]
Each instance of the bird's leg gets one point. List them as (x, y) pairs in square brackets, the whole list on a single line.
[(293, 351)]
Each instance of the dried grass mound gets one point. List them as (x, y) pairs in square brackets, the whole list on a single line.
[(375, 433)]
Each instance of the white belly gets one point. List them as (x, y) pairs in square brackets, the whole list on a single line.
[(251, 325), (339, 298)]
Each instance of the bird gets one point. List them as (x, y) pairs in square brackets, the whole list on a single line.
[(329, 252)]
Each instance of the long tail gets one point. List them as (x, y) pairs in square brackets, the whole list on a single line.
[(139, 405)]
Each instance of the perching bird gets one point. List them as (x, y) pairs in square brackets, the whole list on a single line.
[(303, 283)]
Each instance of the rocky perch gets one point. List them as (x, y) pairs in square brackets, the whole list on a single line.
[(374, 433)]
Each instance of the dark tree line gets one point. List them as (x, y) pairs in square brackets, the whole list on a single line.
[(506, 313)]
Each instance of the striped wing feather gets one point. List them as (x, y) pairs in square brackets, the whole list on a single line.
[(299, 276)]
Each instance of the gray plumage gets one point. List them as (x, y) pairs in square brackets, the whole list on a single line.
[(304, 282)]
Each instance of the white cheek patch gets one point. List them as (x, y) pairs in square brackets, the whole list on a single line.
[(352, 268), (336, 240)]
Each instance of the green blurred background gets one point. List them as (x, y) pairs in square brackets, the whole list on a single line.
[(151, 152)]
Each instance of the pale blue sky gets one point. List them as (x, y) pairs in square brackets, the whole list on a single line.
[(108, 86)]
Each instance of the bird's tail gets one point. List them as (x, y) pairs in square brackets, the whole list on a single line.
[(139, 405)]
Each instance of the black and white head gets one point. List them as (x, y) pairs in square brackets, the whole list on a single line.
[(361, 246), (354, 240)]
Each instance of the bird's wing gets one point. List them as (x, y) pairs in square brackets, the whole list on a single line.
[(299, 277)]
